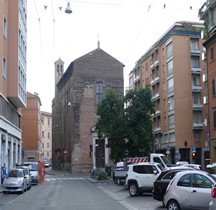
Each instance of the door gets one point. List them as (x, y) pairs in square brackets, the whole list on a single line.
[(200, 195), (147, 177), (100, 153)]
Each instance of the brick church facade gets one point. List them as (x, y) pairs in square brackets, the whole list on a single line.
[(77, 92)]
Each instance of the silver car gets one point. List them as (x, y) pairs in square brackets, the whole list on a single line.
[(212, 204), (189, 190), (15, 181), (26, 170)]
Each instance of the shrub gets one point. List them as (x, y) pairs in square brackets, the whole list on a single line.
[(102, 175)]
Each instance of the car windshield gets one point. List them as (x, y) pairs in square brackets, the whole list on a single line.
[(25, 171), (160, 166), (33, 167), (15, 173), (165, 160)]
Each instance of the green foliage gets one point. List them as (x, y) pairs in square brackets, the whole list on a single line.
[(139, 124), (126, 122), (102, 175), (111, 123)]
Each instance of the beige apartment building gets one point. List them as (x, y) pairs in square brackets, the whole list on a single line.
[(46, 129), (174, 69), (13, 44)]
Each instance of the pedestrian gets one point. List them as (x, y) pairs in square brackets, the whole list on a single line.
[(4, 172)]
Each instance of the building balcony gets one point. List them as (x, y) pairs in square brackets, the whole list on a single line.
[(197, 107), (197, 125), (157, 130), (203, 11), (196, 70), (156, 63), (136, 79), (156, 97), (157, 113), (155, 81), (195, 52), (196, 88)]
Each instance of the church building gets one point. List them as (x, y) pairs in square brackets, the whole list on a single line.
[(78, 90)]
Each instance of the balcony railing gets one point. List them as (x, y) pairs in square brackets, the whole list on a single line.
[(196, 88), (137, 78), (157, 130), (195, 52), (197, 106), (197, 126), (196, 70)]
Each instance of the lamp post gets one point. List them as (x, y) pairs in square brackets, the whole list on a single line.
[(69, 133), (66, 145)]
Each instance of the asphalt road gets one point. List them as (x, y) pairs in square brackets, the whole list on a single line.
[(66, 192)]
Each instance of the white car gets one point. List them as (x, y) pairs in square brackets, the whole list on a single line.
[(195, 166), (141, 176), (212, 204), (27, 174), (33, 166), (211, 168), (15, 181), (189, 190)]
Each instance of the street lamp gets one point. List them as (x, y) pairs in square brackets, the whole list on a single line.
[(68, 9)]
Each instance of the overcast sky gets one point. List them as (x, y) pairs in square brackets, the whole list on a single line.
[(126, 30)]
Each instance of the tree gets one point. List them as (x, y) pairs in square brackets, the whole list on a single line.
[(126, 122), (138, 113), (111, 124)]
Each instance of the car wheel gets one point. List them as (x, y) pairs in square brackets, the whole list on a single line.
[(173, 205), (133, 189), (4, 192)]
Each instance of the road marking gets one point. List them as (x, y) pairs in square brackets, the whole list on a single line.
[(61, 179), (119, 200)]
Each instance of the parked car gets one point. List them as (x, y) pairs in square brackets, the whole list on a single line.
[(195, 166), (189, 190), (141, 176), (179, 163), (212, 204), (163, 180), (15, 181), (33, 166), (27, 174), (211, 168)]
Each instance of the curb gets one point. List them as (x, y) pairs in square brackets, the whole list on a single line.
[(92, 180)]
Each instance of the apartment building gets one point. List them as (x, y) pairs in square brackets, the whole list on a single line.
[(46, 136), (208, 13), (174, 69), (31, 129), (13, 44)]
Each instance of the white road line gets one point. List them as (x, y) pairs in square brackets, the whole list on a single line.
[(115, 197), (61, 179)]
